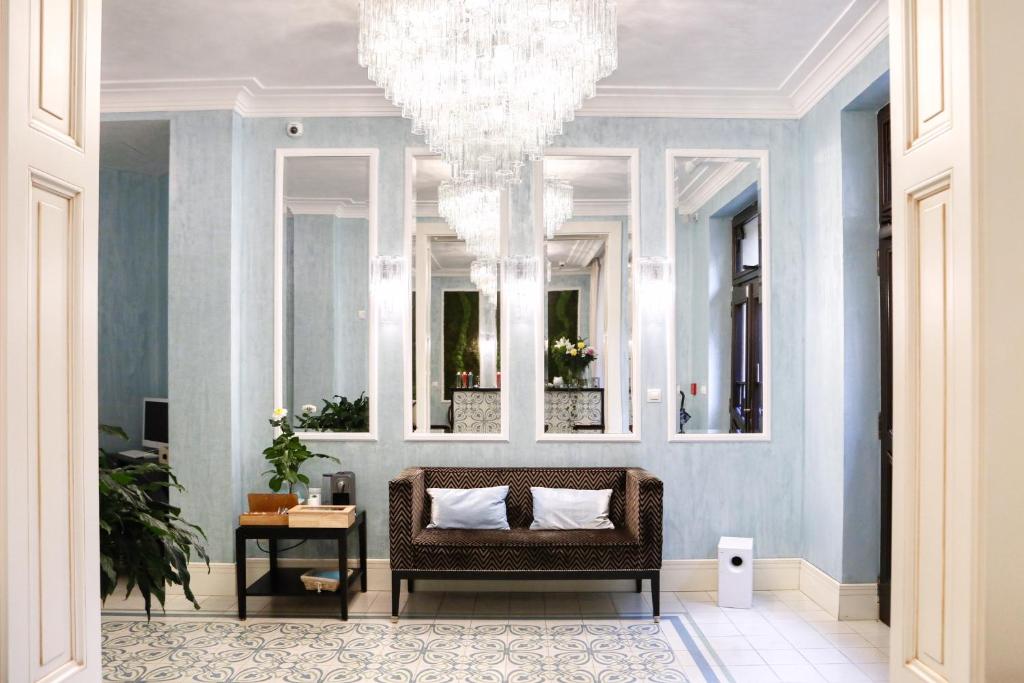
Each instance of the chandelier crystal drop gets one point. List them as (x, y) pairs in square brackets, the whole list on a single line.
[(557, 204), (488, 83), (474, 213), (483, 273)]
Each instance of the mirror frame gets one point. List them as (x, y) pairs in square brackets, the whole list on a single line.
[(507, 376), (282, 154), (632, 154), (764, 199)]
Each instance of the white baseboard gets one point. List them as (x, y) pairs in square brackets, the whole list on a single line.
[(676, 575), (843, 601)]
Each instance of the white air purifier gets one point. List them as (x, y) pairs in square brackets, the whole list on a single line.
[(735, 572)]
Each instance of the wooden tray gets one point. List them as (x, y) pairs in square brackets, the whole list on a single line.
[(264, 509), (322, 516), (262, 519)]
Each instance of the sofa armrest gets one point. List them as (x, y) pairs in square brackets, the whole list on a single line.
[(644, 514), (405, 509)]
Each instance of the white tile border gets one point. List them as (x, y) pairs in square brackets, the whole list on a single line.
[(850, 601)]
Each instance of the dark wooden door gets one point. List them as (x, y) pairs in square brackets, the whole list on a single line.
[(885, 327)]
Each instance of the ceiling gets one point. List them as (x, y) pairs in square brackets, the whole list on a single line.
[(327, 185), (267, 57)]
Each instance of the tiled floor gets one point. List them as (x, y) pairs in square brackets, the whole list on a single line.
[(785, 637)]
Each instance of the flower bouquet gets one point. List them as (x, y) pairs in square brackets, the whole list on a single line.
[(570, 359)]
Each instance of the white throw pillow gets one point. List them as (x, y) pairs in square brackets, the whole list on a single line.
[(468, 508), (571, 508)]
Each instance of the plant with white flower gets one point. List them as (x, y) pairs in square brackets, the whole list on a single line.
[(308, 409), (287, 454)]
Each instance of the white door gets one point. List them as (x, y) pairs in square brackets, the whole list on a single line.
[(957, 80), (49, 161)]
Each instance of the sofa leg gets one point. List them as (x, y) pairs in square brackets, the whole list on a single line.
[(656, 595), (411, 583), (396, 591)]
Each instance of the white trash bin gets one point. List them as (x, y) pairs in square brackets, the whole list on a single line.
[(735, 571)]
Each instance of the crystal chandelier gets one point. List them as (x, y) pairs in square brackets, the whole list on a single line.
[(557, 204), (488, 83), (484, 274), (474, 213)]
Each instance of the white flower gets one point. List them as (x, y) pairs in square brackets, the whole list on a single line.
[(562, 343), (280, 413), (309, 408)]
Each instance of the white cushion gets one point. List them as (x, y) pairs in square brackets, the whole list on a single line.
[(570, 508), (468, 508)]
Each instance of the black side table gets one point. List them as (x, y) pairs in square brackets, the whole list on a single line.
[(286, 581)]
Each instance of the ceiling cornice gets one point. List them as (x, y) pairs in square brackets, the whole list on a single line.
[(860, 28)]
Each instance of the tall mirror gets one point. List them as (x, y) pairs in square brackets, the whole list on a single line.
[(324, 326), (454, 387), (586, 208), (718, 234)]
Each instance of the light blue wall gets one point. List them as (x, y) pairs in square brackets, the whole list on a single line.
[(133, 298), (328, 261), (748, 489), (840, 492), (221, 322)]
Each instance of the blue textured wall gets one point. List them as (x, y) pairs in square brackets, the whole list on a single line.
[(221, 321), (133, 298), (741, 489), (840, 492)]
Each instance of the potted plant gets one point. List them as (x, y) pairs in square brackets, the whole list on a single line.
[(287, 454), (142, 539), (341, 415)]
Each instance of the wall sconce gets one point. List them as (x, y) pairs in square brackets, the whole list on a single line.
[(390, 286), (655, 274), (521, 283)]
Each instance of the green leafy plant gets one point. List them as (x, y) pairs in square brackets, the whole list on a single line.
[(287, 454), (340, 415), (142, 539)]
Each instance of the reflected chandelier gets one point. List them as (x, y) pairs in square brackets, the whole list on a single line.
[(474, 213), (557, 204), (488, 83)]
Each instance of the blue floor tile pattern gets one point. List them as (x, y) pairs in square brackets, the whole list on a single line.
[(422, 652)]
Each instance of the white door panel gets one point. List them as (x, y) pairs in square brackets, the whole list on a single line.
[(49, 564)]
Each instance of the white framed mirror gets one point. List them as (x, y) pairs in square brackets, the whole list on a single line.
[(325, 323), (455, 330), (587, 337), (718, 235)]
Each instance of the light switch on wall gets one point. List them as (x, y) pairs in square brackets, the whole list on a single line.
[(654, 395)]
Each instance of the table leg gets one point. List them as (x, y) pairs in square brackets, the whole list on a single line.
[(343, 572), (240, 584), (362, 556), (273, 565)]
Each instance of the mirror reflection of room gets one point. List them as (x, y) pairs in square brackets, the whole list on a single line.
[(456, 302), (587, 380), (718, 318), (326, 292)]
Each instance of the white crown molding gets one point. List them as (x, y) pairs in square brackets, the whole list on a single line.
[(711, 186), (341, 207), (860, 28)]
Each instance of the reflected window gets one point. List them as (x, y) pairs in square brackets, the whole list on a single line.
[(718, 319)]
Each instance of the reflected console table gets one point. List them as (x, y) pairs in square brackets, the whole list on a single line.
[(568, 410)]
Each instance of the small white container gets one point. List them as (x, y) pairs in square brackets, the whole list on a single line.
[(735, 572), (314, 497)]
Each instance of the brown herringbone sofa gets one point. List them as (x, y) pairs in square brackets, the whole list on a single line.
[(631, 550)]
